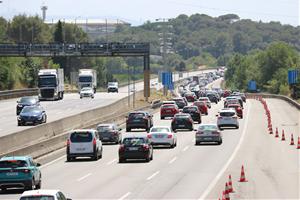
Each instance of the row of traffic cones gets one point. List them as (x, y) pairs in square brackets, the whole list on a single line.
[(229, 187), (270, 128)]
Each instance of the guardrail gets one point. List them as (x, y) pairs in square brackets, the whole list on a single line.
[(276, 96), (8, 94)]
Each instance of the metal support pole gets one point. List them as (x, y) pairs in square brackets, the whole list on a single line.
[(128, 76), (146, 77), (133, 96)]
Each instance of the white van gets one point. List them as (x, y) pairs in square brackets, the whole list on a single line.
[(84, 143)]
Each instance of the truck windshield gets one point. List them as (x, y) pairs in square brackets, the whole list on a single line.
[(47, 81), (85, 79)]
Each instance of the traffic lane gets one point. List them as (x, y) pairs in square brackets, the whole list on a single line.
[(100, 179), (271, 165), (56, 110)]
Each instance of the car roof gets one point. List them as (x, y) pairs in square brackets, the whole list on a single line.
[(39, 192), (135, 135), (160, 127), (14, 158), (168, 102), (112, 124), (227, 110), (137, 112), (29, 97), (82, 130), (208, 125)]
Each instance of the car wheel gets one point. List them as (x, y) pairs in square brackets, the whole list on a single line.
[(121, 160), (69, 159), (148, 159), (237, 127), (242, 117), (197, 143), (100, 156), (199, 122), (30, 186), (220, 142), (128, 129), (3, 189), (162, 118), (96, 156), (151, 156), (80, 97), (19, 124), (39, 185), (206, 113)]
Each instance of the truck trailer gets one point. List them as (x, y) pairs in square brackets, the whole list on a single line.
[(87, 78), (51, 84)]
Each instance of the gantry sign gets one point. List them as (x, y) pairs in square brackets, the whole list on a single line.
[(83, 50)]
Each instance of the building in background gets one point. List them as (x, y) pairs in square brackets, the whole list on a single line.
[(94, 27)]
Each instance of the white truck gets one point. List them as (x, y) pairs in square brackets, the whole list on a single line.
[(51, 84), (112, 87), (87, 78)]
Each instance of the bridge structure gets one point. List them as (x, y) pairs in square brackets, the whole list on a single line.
[(111, 49)]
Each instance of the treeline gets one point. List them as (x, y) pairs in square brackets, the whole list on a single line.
[(269, 68)]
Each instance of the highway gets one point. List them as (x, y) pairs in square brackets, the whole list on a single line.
[(70, 105)]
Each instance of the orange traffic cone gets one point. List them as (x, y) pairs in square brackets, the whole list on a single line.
[(276, 133), (283, 136), (243, 177), (230, 188), (292, 140), (227, 197), (270, 129), (298, 146)]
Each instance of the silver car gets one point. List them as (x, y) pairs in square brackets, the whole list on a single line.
[(208, 133), (84, 143), (227, 118), (87, 92), (162, 135)]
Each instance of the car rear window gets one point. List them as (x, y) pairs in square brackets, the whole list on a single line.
[(227, 114), (39, 197), (104, 128), (182, 116), (189, 109), (208, 128), (163, 130), (13, 163), (168, 106), (28, 100), (136, 115), (81, 137), (133, 141)]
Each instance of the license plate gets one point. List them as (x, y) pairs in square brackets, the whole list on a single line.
[(180, 126), (12, 173), (159, 136), (133, 148), (207, 138), (80, 149), (168, 111), (105, 138), (136, 120)]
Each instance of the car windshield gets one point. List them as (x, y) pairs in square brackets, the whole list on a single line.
[(104, 128), (13, 163), (27, 100), (133, 141), (47, 80), (136, 115), (86, 89), (85, 79), (39, 197), (189, 109), (227, 114), (160, 129), (81, 137), (33, 110), (207, 128)]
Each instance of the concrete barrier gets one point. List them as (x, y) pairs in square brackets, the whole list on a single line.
[(276, 96), (46, 131)]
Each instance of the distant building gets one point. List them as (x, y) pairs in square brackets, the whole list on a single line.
[(94, 27)]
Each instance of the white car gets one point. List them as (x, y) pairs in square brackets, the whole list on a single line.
[(43, 195), (227, 118), (86, 92), (84, 143), (206, 99), (162, 135)]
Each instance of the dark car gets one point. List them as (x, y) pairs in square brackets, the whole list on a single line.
[(180, 102), (194, 112), (135, 147), (212, 97), (139, 119), (182, 121), (26, 101), (32, 115), (109, 133)]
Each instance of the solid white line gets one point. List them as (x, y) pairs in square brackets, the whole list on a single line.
[(84, 177), (152, 176), (185, 148), (221, 172), (111, 162), (125, 195), (53, 161), (171, 161)]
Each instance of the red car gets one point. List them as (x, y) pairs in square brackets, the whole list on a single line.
[(201, 106), (226, 93), (191, 97), (238, 109), (168, 110)]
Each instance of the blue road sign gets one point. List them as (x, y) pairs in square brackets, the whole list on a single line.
[(293, 76), (167, 80)]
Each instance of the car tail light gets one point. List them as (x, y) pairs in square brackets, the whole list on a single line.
[(149, 136), (26, 170), (94, 142), (169, 135), (68, 142), (145, 147), (215, 133), (122, 147), (199, 133)]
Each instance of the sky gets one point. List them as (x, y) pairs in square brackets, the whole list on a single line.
[(137, 12)]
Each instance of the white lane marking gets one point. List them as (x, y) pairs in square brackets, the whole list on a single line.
[(53, 161), (237, 148), (84, 177), (185, 148), (171, 161), (152, 176), (125, 195), (111, 162)]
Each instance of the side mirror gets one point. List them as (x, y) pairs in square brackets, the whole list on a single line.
[(195, 129), (217, 115), (120, 129), (38, 164)]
